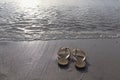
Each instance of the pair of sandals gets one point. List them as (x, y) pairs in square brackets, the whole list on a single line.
[(78, 56)]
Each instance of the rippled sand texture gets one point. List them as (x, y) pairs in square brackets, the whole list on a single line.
[(59, 19)]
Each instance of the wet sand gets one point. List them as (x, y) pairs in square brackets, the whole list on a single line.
[(36, 60)]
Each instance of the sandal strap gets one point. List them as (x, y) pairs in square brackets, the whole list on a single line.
[(64, 51)]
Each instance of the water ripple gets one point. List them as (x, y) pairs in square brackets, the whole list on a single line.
[(60, 22)]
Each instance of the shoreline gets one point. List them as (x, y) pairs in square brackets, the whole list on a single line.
[(38, 40)]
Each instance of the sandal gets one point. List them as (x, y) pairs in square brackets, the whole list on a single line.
[(63, 55), (79, 57)]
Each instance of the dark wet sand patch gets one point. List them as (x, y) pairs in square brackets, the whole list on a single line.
[(36, 60)]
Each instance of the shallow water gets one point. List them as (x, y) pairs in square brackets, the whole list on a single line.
[(59, 19)]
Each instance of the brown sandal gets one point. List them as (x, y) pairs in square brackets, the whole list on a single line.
[(63, 55), (79, 57)]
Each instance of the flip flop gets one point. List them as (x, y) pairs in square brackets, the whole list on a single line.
[(63, 55), (78, 52), (79, 57)]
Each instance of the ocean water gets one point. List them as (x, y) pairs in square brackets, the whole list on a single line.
[(23, 20)]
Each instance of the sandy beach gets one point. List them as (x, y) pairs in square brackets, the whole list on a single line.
[(36, 60), (32, 31)]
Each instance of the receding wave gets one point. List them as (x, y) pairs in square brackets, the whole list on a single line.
[(57, 35)]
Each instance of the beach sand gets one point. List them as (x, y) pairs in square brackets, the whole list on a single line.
[(36, 60)]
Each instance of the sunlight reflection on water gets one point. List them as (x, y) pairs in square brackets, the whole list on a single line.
[(29, 3), (58, 19)]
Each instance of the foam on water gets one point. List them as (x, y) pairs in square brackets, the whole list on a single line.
[(59, 20)]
